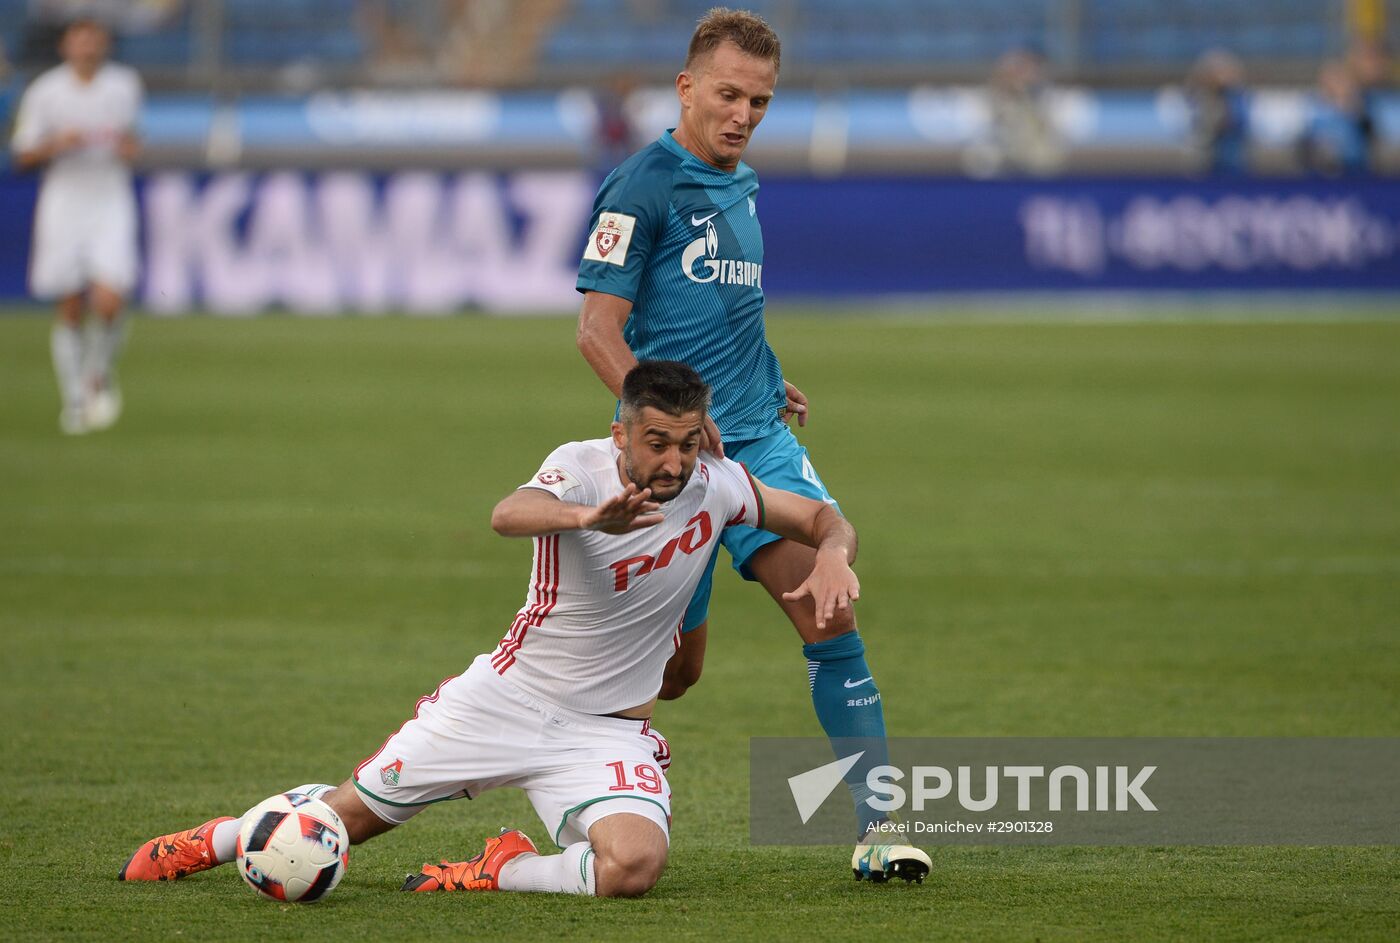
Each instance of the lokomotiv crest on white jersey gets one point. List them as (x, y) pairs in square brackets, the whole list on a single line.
[(603, 612)]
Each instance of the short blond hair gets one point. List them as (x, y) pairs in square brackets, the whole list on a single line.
[(746, 30)]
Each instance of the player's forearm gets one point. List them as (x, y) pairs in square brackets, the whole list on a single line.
[(609, 356), (525, 515), (806, 521), (601, 342), (34, 158), (52, 146), (833, 534)]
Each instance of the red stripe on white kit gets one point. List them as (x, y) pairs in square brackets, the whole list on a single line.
[(663, 749), (505, 652), (546, 595)]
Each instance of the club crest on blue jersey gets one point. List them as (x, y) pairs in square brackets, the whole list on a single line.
[(610, 239)]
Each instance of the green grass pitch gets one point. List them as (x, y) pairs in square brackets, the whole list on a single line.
[(1067, 529)]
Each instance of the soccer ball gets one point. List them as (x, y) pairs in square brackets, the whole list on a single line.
[(293, 848)]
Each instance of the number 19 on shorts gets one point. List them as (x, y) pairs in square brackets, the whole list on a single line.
[(644, 777)]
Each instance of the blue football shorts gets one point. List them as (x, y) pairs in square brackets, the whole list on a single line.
[(779, 461)]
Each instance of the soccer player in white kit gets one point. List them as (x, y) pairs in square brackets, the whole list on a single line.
[(623, 529), (77, 121)]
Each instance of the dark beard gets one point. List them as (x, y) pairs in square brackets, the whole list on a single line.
[(632, 477)]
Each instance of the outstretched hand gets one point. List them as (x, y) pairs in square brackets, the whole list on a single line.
[(631, 510), (832, 584)]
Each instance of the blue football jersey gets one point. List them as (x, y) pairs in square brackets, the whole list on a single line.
[(680, 239)]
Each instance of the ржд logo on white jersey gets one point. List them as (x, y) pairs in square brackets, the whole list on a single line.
[(603, 612)]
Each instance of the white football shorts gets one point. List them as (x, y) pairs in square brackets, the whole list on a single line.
[(478, 731), (79, 244)]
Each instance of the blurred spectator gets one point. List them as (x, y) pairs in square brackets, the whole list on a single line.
[(1334, 142), (1022, 136), (1219, 113), (1370, 69), (48, 19), (461, 42), (615, 138), (401, 41), (495, 42)]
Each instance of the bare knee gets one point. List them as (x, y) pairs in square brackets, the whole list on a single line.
[(629, 872), (843, 621), (70, 310), (781, 567), (630, 854), (106, 302)]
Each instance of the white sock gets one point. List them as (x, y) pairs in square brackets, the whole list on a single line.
[(104, 342), (568, 873), (66, 345), (224, 841)]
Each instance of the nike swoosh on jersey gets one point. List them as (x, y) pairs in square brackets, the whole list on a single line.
[(856, 684), (702, 220)]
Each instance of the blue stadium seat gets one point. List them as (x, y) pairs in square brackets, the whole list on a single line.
[(12, 13), (165, 48), (914, 32), (835, 33)]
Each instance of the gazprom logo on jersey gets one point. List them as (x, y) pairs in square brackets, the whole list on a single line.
[(705, 251)]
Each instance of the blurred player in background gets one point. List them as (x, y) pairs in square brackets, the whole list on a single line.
[(673, 269), (77, 122)]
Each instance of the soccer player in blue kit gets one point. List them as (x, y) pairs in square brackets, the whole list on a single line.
[(673, 269)]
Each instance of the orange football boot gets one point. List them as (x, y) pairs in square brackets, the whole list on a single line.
[(478, 874), (171, 857)]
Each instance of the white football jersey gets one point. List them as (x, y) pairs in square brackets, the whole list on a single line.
[(603, 612), (102, 110)]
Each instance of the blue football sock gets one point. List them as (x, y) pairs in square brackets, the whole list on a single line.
[(848, 705)]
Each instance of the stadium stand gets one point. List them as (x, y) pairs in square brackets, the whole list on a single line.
[(1084, 40), (278, 32), (896, 84), (894, 37)]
